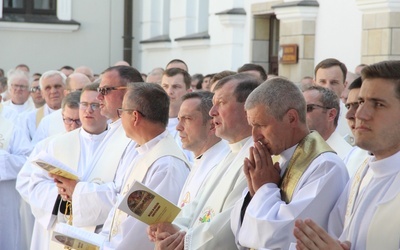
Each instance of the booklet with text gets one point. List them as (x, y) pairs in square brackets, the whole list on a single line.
[(76, 238), (54, 166), (147, 206)]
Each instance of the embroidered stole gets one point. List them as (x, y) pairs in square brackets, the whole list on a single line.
[(165, 147), (39, 115), (306, 151), (355, 186), (215, 199)]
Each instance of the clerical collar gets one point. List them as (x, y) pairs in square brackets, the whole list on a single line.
[(385, 167), (237, 146), (150, 144)]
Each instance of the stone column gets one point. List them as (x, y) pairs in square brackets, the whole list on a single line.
[(381, 30), (297, 26)]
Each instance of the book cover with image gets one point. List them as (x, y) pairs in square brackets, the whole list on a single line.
[(54, 166), (147, 206), (76, 238)]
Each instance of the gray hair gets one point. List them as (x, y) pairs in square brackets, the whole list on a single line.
[(52, 73), (150, 99), (71, 100), (328, 99), (278, 95), (17, 74), (205, 105)]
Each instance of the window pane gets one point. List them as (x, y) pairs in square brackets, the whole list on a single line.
[(13, 3), (44, 4)]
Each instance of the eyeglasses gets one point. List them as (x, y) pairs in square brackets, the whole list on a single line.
[(17, 86), (70, 121), (107, 90), (93, 105), (35, 89), (311, 107), (121, 110), (74, 90)]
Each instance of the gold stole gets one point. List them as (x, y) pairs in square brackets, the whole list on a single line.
[(6, 131), (165, 147), (306, 151), (39, 115)]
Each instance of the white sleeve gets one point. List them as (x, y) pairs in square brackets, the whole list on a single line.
[(13, 158), (92, 202), (166, 177), (268, 221), (43, 193)]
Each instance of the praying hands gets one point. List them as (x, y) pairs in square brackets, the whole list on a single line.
[(311, 236)]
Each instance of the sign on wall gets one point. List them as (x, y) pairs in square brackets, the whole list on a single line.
[(288, 53)]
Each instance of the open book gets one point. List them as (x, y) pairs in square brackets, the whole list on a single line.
[(77, 238), (147, 206), (54, 166)]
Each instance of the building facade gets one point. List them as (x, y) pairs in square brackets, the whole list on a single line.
[(210, 36)]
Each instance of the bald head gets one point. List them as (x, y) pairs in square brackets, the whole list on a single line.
[(86, 71), (76, 81)]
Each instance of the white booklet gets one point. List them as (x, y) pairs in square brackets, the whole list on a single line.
[(147, 206), (54, 166), (77, 238)]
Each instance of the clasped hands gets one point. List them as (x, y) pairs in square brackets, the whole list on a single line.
[(65, 186), (166, 236), (259, 168)]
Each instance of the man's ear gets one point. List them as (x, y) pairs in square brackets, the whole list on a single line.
[(292, 116), (332, 113)]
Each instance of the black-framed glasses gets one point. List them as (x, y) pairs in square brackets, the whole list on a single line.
[(35, 89), (107, 90), (70, 121), (93, 105), (121, 110), (311, 107)]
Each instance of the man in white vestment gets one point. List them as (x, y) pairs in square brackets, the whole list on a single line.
[(323, 114), (205, 222), (52, 85), (18, 86), (305, 182), (159, 163), (52, 124), (331, 73), (176, 82), (366, 214), (197, 132), (93, 200), (70, 113), (14, 150), (357, 155), (47, 206)]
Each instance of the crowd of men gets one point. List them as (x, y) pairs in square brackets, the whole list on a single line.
[(254, 161)]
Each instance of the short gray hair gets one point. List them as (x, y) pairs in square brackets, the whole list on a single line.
[(328, 99), (150, 99), (205, 105), (278, 95), (51, 73)]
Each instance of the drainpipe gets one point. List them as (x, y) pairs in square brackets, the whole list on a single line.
[(128, 14)]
